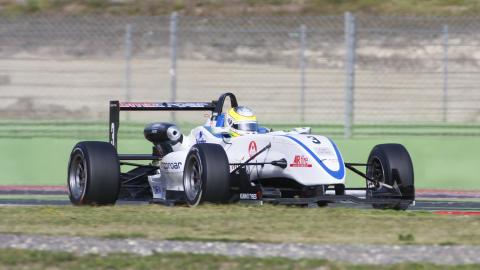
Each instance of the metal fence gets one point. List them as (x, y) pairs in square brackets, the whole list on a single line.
[(329, 70)]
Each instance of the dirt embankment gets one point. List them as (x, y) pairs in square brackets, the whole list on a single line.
[(238, 7)]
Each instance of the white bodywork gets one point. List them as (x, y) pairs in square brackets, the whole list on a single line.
[(311, 159)]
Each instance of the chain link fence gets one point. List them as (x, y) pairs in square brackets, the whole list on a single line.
[(358, 73)]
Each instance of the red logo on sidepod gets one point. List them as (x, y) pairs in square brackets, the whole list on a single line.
[(252, 148), (300, 161)]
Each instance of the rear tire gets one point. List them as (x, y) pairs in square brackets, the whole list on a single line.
[(206, 177), (93, 174), (391, 164)]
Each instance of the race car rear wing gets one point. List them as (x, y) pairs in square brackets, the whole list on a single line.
[(116, 106)]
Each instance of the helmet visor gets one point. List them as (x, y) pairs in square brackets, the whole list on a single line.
[(246, 126)]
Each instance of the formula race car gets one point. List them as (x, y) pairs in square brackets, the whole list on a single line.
[(211, 165)]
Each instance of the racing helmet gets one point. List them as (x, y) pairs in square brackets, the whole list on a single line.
[(240, 121)]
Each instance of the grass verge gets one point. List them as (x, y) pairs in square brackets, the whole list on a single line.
[(439, 162), (244, 223), (24, 259)]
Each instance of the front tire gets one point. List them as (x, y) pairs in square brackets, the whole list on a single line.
[(206, 177), (391, 164), (93, 174)]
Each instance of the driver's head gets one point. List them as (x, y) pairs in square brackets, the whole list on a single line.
[(241, 121)]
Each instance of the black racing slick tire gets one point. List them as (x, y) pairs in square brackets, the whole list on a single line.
[(391, 164), (206, 176), (93, 174)]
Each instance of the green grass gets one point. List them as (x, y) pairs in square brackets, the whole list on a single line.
[(439, 162), (23, 259), (244, 223), (248, 7), (38, 152)]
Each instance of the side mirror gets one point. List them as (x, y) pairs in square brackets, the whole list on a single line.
[(303, 130)]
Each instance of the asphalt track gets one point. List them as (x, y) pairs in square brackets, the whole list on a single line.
[(438, 201)]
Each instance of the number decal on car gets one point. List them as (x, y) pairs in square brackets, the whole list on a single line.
[(314, 140)]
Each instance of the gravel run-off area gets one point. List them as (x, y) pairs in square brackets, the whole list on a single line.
[(356, 254)]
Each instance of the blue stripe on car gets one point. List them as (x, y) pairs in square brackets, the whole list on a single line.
[(339, 174)]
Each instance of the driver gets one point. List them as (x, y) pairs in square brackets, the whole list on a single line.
[(240, 121)]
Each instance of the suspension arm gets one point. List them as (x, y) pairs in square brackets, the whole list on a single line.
[(241, 165), (351, 167), (282, 163)]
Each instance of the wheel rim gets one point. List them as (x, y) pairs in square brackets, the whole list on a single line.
[(192, 179), (77, 176), (375, 172)]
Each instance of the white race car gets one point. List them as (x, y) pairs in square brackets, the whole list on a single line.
[(208, 165)]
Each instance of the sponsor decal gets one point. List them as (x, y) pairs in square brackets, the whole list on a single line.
[(300, 161), (249, 196), (252, 148), (325, 151), (338, 174), (201, 137), (164, 105), (157, 189), (171, 165), (112, 131)]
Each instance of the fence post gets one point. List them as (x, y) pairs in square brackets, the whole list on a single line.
[(349, 72), (303, 66), (173, 61), (128, 59), (445, 72)]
